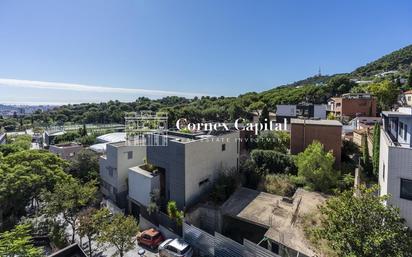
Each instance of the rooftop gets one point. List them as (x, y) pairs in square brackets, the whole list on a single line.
[(402, 112), (317, 122), (281, 218), (112, 137), (73, 250)]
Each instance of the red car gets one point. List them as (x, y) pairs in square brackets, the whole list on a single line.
[(151, 238)]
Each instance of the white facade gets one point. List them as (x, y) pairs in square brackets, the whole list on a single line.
[(141, 184), (114, 167), (204, 160), (395, 167)]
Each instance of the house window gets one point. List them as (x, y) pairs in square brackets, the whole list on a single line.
[(129, 155), (406, 189), (223, 147), (383, 171), (409, 98), (400, 129), (71, 154)]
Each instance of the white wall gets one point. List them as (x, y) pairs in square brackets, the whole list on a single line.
[(117, 158), (141, 184), (398, 164), (204, 159)]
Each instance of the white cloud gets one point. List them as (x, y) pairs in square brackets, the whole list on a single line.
[(17, 83)]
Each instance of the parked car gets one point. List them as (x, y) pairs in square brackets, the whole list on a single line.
[(175, 248), (151, 238)]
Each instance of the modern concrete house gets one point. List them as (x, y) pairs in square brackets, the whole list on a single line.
[(184, 169), (66, 151), (395, 167), (327, 132), (114, 169), (307, 110), (353, 105)]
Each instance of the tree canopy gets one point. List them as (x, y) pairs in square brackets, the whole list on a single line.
[(358, 223), (315, 168)]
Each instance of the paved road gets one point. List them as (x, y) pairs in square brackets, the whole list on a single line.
[(107, 250)]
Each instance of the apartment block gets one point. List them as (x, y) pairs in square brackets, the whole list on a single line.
[(327, 132), (353, 105), (395, 167), (184, 169), (114, 169)]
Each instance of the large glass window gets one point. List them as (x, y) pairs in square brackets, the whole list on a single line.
[(406, 189)]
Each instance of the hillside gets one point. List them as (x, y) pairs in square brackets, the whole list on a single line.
[(398, 60), (316, 89)]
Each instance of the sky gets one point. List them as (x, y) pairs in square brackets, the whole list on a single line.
[(75, 51)]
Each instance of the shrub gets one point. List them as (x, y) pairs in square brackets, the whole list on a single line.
[(279, 184), (272, 161), (315, 168), (225, 184)]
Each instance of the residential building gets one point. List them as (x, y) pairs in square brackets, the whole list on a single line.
[(353, 105), (270, 220), (395, 167), (66, 151), (408, 97), (306, 110), (327, 132), (3, 138), (185, 168), (114, 169)]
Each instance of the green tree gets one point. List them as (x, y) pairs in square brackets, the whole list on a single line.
[(68, 199), (376, 148), (274, 140), (18, 243), (23, 175), (315, 168), (386, 92), (85, 166), (119, 232), (358, 223), (264, 116), (91, 220), (174, 213), (270, 161), (365, 159)]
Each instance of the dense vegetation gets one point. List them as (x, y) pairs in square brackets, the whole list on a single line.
[(397, 60), (316, 89)]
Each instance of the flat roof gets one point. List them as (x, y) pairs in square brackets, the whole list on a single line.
[(317, 122), (281, 218), (395, 114)]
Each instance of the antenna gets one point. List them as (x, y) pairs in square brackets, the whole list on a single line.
[(319, 72)]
